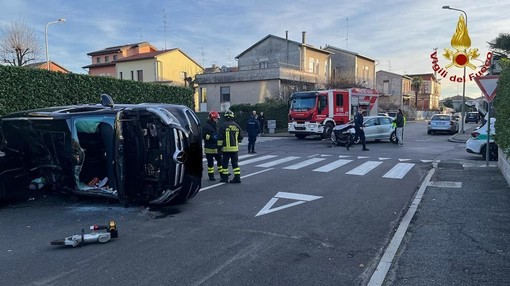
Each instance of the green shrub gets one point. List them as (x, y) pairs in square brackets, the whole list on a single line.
[(502, 107), (23, 88)]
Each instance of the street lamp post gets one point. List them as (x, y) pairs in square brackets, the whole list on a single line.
[(463, 107), (46, 39)]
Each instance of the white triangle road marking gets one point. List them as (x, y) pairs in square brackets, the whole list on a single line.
[(363, 157), (382, 158), (403, 160), (301, 199), (426, 161)]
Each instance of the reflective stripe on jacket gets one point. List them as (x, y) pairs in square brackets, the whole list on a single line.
[(229, 137)]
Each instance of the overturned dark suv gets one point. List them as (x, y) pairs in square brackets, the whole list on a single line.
[(136, 153)]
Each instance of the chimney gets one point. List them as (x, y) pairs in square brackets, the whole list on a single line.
[(286, 35), (303, 41)]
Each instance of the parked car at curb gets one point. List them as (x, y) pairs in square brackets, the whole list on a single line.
[(442, 123), (142, 153), (477, 143), (376, 128), (472, 117)]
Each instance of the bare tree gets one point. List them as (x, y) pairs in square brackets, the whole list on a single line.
[(19, 44)]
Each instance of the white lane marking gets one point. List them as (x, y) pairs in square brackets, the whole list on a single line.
[(381, 158), (240, 157), (301, 199), (427, 161), (331, 166), (363, 157), (245, 176), (279, 161), (262, 158), (364, 168), (343, 156), (403, 160), (398, 171), (384, 265), (304, 163)]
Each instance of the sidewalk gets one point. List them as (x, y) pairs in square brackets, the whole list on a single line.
[(460, 233)]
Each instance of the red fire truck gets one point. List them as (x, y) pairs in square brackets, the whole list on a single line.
[(317, 112)]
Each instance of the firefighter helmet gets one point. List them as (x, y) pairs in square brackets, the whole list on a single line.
[(214, 115), (229, 114)]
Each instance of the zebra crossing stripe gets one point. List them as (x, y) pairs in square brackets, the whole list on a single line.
[(364, 168), (331, 166), (304, 163), (262, 158), (276, 162), (398, 171)]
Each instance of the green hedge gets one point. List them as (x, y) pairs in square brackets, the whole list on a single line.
[(23, 88), (502, 108), (273, 110)]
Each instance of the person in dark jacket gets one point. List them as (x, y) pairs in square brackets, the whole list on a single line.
[(229, 137), (253, 129), (399, 122), (210, 136), (360, 133), (262, 120)]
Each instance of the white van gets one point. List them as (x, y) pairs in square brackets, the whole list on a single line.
[(477, 143)]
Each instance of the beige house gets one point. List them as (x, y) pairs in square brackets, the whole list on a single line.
[(274, 67), (143, 62), (103, 61)]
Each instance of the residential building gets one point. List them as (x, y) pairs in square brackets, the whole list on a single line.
[(44, 66), (428, 95), (351, 69), (143, 62), (457, 102), (273, 67), (103, 61), (170, 67), (395, 90)]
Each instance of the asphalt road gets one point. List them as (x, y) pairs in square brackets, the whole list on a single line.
[(305, 214)]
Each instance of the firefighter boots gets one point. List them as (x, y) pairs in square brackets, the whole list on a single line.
[(224, 178), (211, 177), (236, 180)]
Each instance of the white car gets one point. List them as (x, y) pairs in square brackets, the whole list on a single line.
[(477, 143), (376, 128)]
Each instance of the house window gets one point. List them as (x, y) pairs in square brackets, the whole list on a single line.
[(203, 94), (311, 65), (114, 57), (263, 65), (120, 75), (98, 60), (132, 75), (139, 75), (106, 59), (386, 86), (225, 94)]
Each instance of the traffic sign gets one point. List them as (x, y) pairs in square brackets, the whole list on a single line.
[(488, 84)]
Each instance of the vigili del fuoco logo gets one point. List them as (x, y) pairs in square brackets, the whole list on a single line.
[(462, 55)]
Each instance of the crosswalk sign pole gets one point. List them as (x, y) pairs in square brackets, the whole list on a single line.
[(487, 153)]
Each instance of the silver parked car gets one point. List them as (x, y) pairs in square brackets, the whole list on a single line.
[(443, 123), (376, 128)]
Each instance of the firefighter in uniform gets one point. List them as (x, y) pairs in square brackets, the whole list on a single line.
[(210, 136), (229, 137)]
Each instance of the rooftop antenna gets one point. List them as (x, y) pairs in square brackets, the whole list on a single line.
[(164, 24), (347, 36), (203, 56), (228, 58), (141, 36)]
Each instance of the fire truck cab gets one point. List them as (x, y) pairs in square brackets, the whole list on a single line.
[(317, 112)]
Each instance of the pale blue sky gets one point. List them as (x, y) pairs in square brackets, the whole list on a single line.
[(399, 35)]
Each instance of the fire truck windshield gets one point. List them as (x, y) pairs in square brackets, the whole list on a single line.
[(302, 103)]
